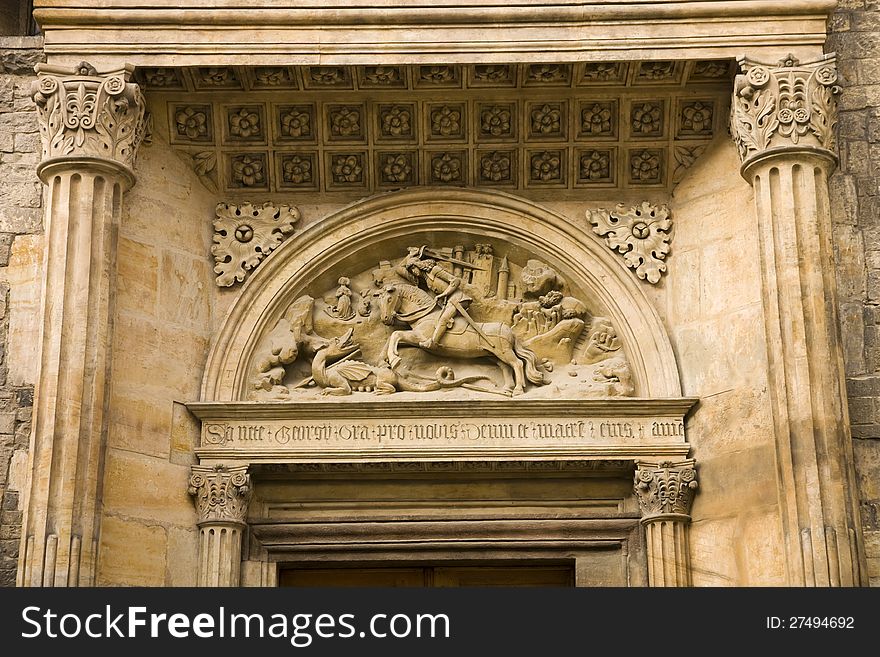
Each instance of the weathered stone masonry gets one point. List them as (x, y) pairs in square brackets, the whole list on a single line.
[(855, 195), (20, 214)]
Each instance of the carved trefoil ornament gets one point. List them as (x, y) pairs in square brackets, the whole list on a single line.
[(221, 493), (245, 234), (665, 488), (86, 114), (789, 104), (641, 234)]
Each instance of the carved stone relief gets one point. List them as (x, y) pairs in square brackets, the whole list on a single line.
[(586, 74), (665, 488), (448, 319), (87, 114), (640, 234), (245, 234), (221, 493), (784, 105)]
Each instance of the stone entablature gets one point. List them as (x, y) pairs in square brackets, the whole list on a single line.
[(270, 33)]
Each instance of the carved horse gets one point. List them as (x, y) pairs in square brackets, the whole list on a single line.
[(408, 304)]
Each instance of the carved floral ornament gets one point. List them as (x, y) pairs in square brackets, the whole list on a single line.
[(785, 105), (641, 234), (221, 493), (86, 114), (245, 234), (665, 488)]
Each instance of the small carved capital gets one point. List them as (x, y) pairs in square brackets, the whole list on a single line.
[(245, 234), (640, 234), (86, 114), (665, 488), (790, 104), (221, 493)]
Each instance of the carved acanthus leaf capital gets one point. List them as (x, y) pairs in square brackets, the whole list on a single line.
[(86, 114), (221, 493), (640, 234), (789, 104), (665, 488)]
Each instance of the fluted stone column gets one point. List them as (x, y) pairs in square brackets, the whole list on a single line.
[(783, 120), (91, 125), (665, 492), (222, 495)]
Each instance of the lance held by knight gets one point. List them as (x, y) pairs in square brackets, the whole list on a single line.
[(420, 264)]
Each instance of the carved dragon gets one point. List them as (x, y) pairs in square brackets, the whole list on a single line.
[(337, 375)]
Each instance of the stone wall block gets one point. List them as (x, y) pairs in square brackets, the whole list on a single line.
[(20, 213), (856, 39)]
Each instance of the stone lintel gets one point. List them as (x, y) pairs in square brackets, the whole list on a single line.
[(367, 432)]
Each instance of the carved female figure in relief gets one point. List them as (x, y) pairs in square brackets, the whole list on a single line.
[(343, 309)]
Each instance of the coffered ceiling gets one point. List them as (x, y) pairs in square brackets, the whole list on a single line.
[(544, 128)]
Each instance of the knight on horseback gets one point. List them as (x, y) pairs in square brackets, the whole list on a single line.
[(447, 287), (431, 312)]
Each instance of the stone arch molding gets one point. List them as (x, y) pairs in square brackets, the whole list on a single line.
[(382, 227)]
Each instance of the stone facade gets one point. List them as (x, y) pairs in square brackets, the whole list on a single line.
[(262, 230), (20, 229), (855, 36)]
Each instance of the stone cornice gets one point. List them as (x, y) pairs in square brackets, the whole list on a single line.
[(372, 13), (87, 116), (359, 32), (355, 408)]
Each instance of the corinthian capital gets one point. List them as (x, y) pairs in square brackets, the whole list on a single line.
[(790, 104), (221, 493), (86, 115), (665, 488)]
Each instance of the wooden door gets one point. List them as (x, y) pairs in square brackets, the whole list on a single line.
[(430, 576)]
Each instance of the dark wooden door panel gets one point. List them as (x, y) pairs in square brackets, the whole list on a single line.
[(432, 576)]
